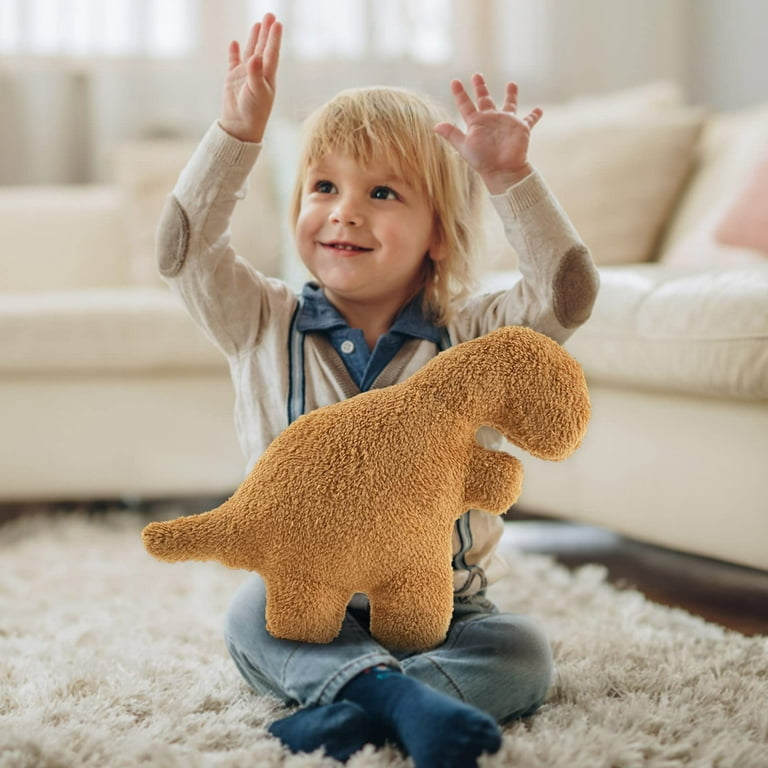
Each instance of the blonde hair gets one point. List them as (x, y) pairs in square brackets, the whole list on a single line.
[(394, 126)]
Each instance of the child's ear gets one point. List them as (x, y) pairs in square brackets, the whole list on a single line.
[(437, 251)]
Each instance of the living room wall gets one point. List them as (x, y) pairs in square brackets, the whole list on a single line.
[(715, 49), (727, 62)]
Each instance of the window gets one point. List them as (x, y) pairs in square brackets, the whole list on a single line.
[(155, 28), (427, 33), (355, 29)]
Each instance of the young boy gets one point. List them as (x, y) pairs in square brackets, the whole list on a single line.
[(386, 217)]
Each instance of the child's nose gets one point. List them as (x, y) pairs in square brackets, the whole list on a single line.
[(346, 212)]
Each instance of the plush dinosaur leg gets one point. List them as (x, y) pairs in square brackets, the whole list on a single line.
[(413, 610), (305, 611), (494, 481)]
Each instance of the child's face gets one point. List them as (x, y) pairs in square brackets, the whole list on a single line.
[(364, 232)]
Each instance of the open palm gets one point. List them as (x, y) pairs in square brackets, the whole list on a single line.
[(495, 141), (249, 86)]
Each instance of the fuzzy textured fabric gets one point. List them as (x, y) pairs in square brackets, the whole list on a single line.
[(362, 495), (100, 667)]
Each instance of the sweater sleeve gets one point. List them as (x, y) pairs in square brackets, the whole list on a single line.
[(558, 281), (225, 295)]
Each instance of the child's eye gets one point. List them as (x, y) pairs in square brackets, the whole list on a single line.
[(383, 193), (325, 187)]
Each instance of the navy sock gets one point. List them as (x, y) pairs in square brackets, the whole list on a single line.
[(436, 730), (341, 729)]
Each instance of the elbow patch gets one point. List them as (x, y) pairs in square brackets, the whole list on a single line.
[(172, 238), (574, 287)]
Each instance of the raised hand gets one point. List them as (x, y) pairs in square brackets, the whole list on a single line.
[(249, 86), (495, 142)]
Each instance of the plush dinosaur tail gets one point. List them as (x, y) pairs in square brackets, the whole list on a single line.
[(196, 537)]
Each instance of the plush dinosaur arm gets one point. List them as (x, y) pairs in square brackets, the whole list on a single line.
[(494, 480)]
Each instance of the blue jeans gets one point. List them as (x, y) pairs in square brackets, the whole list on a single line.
[(499, 662)]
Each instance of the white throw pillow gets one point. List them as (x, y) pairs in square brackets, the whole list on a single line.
[(617, 163), (619, 179), (731, 147)]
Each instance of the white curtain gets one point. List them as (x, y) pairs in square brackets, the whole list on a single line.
[(75, 28), (78, 75), (357, 29)]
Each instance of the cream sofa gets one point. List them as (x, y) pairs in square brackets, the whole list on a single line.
[(107, 390)]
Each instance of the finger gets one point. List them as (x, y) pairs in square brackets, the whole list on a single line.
[(451, 133), (510, 98), (250, 46), (482, 94), (234, 54), (272, 52), (533, 117), (461, 97), (255, 69), (266, 28)]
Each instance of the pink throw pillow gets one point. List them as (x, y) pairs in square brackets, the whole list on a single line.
[(745, 221)]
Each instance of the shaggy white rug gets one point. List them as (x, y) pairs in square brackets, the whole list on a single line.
[(109, 658)]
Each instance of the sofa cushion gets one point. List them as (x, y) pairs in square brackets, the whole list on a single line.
[(654, 327), (119, 329)]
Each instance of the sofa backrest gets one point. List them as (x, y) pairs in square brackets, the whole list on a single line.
[(69, 237), (63, 237), (145, 174)]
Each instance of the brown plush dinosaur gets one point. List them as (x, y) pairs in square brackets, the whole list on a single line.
[(362, 495)]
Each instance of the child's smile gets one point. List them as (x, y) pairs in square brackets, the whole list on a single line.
[(364, 232), (350, 248)]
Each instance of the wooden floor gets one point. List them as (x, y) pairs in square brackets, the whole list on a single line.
[(726, 594)]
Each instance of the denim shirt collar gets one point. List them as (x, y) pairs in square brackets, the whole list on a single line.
[(318, 314)]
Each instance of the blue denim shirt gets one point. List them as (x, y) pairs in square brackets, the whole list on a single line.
[(317, 314)]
